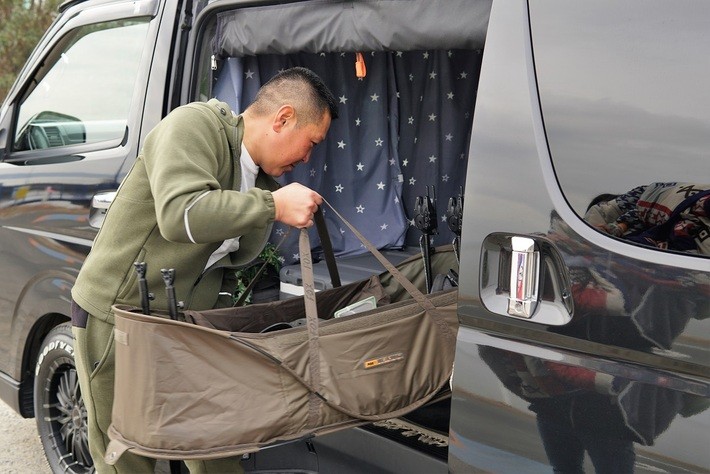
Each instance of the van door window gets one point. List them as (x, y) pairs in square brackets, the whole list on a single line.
[(82, 93), (628, 122)]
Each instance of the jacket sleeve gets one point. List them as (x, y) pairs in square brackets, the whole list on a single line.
[(187, 161)]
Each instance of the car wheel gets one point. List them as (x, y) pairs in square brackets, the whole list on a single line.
[(59, 408)]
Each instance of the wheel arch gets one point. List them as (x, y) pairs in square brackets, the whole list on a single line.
[(44, 303), (36, 336)]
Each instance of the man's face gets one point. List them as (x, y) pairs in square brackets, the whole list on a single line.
[(294, 144)]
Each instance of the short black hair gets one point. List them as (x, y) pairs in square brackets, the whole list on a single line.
[(300, 86)]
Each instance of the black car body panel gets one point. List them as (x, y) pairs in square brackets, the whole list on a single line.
[(576, 348), (651, 345), (46, 193)]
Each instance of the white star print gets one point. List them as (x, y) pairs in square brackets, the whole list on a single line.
[(249, 74), (398, 162), (325, 167), (360, 166), (313, 172), (279, 231)]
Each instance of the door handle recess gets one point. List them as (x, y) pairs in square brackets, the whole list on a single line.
[(99, 206), (524, 277)]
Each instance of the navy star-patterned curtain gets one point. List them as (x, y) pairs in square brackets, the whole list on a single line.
[(402, 128)]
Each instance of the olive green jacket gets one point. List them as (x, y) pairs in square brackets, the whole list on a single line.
[(175, 207)]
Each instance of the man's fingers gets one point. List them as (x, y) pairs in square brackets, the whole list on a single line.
[(296, 204), (309, 223)]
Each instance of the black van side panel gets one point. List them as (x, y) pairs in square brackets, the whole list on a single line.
[(606, 391)]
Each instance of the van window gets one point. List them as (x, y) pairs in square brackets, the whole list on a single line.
[(82, 93), (626, 108)]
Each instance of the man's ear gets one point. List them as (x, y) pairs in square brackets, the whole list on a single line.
[(284, 115)]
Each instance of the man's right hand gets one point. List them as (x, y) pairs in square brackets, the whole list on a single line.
[(295, 205)]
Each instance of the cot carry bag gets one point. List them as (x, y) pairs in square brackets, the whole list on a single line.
[(210, 385)]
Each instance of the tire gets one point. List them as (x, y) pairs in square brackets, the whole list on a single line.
[(59, 408)]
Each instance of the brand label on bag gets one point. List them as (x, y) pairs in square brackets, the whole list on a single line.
[(388, 359), (121, 337)]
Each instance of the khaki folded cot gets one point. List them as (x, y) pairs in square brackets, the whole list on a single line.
[(212, 385)]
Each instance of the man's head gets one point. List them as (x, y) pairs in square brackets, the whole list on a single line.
[(289, 116)]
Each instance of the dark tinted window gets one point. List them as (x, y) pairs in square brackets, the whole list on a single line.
[(624, 93)]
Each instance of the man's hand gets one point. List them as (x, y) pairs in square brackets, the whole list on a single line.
[(295, 205)]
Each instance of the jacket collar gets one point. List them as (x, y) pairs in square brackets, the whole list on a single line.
[(233, 125)]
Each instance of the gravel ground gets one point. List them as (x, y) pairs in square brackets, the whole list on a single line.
[(21, 451), (24, 454)]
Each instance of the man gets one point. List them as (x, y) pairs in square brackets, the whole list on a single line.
[(200, 197)]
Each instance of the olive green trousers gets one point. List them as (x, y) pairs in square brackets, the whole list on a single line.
[(94, 358)]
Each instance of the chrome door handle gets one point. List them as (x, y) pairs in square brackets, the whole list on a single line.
[(524, 277), (99, 206)]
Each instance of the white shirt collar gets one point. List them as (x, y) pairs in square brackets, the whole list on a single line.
[(249, 170)]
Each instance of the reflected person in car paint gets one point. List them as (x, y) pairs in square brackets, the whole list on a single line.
[(582, 410), (669, 215)]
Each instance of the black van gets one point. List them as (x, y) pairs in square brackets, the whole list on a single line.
[(573, 136)]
